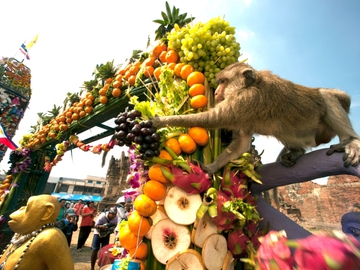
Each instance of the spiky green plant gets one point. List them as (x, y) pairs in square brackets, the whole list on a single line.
[(168, 21)]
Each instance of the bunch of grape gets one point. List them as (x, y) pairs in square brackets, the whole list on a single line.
[(129, 129), (208, 47)]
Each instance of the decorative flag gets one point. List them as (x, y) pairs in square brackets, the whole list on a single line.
[(4, 139), (32, 42), (24, 51)]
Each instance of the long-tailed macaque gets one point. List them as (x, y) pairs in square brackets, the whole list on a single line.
[(259, 102)]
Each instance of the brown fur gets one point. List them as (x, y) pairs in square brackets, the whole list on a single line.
[(259, 102)]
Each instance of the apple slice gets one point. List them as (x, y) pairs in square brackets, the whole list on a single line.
[(159, 215), (203, 227), (186, 259), (214, 251), (180, 206), (168, 239), (229, 262)]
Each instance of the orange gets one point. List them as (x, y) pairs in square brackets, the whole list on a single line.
[(144, 205), (154, 190), (102, 91), (173, 144), (116, 92), (88, 109), (171, 66), (165, 155), (198, 101), (108, 80), (138, 224), (157, 73), (185, 71), (118, 78), (139, 252), (187, 144), (132, 80), (74, 116), (178, 68), (195, 77), (117, 84), (159, 48), (103, 99), (196, 89), (149, 71), (155, 173), (162, 56), (149, 61), (88, 102), (172, 56), (199, 135), (82, 113), (127, 239)]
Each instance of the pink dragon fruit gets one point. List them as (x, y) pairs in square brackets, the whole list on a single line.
[(223, 220), (192, 181), (237, 242), (234, 185)]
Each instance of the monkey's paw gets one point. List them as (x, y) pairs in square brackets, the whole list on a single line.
[(351, 148), (289, 159)]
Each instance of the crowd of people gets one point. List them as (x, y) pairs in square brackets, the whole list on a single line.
[(84, 216)]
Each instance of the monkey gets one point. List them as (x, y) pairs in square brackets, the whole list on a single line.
[(259, 102)]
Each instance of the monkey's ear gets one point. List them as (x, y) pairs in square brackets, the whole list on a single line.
[(250, 76)]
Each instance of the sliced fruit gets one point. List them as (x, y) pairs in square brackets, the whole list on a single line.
[(159, 215), (214, 251), (203, 227), (180, 206), (187, 259), (229, 262), (168, 239)]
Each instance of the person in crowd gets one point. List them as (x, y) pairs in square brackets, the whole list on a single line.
[(350, 221), (69, 224), (37, 244), (88, 213), (121, 211), (107, 208), (62, 210), (104, 226), (67, 205), (78, 207)]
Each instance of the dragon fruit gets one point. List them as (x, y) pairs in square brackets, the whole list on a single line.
[(237, 242), (223, 220), (192, 181), (234, 185)]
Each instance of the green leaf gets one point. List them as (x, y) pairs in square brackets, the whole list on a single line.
[(168, 11)]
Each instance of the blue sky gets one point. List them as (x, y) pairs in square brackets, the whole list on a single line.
[(314, 43)]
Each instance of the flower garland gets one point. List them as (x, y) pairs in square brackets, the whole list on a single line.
[(73, 139)]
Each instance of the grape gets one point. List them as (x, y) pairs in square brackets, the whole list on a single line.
[(206, 46), (149, 154), (148, 139), (155, 137), (145, 131), (138, 139), (136, 129), (130, 137)]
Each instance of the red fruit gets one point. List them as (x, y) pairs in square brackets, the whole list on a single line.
[(237, 242)]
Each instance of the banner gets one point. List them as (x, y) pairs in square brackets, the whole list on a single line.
[(4, 139), (32, 42)]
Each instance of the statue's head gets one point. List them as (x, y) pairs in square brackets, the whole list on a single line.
[(39, 210)]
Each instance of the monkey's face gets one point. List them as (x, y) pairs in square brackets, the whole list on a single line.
[(37, 212)]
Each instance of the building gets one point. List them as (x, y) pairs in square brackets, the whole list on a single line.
[(91, 188)]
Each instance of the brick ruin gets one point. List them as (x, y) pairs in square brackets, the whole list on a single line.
[(320, 207)]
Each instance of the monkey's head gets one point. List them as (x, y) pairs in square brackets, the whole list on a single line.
[(39, 210), (233, 78)]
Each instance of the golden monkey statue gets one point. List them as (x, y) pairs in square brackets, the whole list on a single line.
[(37, 244)]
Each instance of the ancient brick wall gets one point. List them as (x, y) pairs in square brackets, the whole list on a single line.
[(321, 206)]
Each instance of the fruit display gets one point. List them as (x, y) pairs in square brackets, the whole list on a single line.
[(183, 216)]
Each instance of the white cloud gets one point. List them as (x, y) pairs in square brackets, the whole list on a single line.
[(243, 35)]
